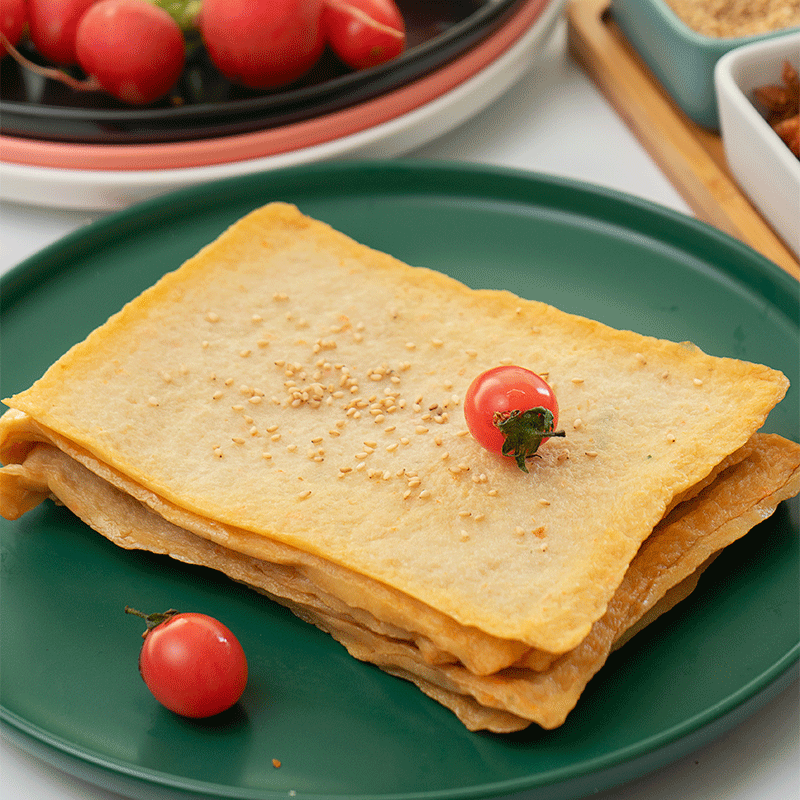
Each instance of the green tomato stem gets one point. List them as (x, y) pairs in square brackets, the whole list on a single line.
[(185, 12), (152, 620), (524, 432)]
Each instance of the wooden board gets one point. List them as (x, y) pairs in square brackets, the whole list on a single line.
[(692, 157)]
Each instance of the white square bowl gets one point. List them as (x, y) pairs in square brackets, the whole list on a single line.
[(760, 161)]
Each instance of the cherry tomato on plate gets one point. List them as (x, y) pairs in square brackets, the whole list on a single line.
[(191, 663), (512, 411), (364, 33)]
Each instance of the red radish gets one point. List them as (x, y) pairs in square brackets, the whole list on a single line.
[(133, 49), (53, 24), (364, 33), (262, 44), (13, 16)]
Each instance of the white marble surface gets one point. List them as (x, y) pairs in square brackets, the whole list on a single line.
[(553, 121)]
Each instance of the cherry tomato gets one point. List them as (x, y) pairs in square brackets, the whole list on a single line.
[(262, 44), (191, 663), (133, 49), (13, 18), (511, 410), (53, 27), (364, 33)]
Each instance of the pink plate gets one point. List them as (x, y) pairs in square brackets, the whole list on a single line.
[(285, 139)]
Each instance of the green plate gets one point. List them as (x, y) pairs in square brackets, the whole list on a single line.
[(342, 729)]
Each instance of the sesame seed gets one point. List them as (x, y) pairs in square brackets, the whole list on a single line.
[(204, 344), (437, 342), (591, 453), (544, 502), (245, 353), (471, 353), (421, 429), (304, 494), (464, 536), (345, 470), (212, 317), (698, 382), (266, 455), (577, 381), (404, 440), (479, 517), (276, 437), (425, 493), (664, 375), (237, 439), (413, 482), (410, 346), (578, 423), (492, 492), (640, 358), (217, 395), (670, 437), (255, 400), (519, 531), (152, 401), (464, 513), (406, 494), (390, 448), (229, 381), (361, 456)]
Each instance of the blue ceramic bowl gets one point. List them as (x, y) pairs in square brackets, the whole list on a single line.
[(682, 59)]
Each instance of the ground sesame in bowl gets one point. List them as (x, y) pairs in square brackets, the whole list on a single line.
[(736, 18)]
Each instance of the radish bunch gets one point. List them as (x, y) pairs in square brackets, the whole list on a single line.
[(135, 50)]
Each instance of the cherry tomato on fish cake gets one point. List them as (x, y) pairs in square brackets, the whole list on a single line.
[(192, 663), (512, 411)]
